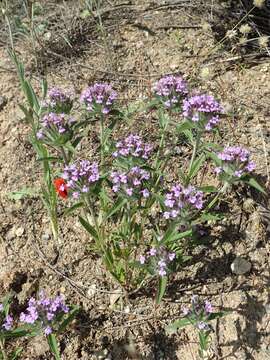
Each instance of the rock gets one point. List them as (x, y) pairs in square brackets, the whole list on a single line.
[(10, 235), (46, 236), (115, 296), (240, 266), (92, 290), (19, 232)]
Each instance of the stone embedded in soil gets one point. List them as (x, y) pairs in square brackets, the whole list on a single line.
[(19, 232), (46, 236), (240, 266)]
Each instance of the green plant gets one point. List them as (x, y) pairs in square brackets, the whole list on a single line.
[(199, 315)]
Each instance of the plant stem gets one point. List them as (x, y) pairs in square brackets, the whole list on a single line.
[(54, 226), (214, 200), (3, 350), (102, 145), (194, 153), (92, 213), (64, 155), (4, 11)]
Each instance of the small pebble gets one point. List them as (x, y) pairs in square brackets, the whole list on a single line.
[(19, 232), (46, 236), (240, 266)]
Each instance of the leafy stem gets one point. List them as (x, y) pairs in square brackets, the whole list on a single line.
[(193, 157), (63, 153)]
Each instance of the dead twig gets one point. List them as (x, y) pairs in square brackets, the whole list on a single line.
[(168, 27)]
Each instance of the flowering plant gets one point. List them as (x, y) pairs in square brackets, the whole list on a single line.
[(51, 316), (199, 315), (138, 219)]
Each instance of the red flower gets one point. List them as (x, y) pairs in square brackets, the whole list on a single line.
[(61, 187)]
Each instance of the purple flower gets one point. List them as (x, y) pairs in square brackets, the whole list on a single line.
[(47, 330), (153, 252), (162, 271), (99, 97), (145, 193), (181, 199), (159, 258), (131, 182), (203, 109), (142, 259), (171, 90), (7, 325), (133, 146), (208, 308), (44, 310), (202, 325), (80, 177), (53, 123), (235, 161), (59, 100), (185, 311)]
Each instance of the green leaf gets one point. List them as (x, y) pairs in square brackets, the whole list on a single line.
[(203, 340), (71, 315), (173, 235), (89, 228), (162, 283), (216, 315), (20, 332), (85, 14), (178, 324), (214, 157), (71, 209), (184, 126), (28, 114), (117, 206), (44, 87), (15, 354), (53, 346), (208, 189), (189, 135), (23, 193), (210, 216), (49, 158), (31, 96), (252, 182), (196, 166)]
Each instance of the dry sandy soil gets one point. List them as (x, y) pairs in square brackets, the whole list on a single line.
[(138, 42)]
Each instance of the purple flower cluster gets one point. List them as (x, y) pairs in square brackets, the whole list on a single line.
[(203, 109), (59, 99), (133, 146), (8, 321), (59, 123), (172, 89), (45, 310), (79, 177), (131, 182), (7, 325), (99, 97), (236, 160), (200, 310), (160, 258), (180, 198)]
